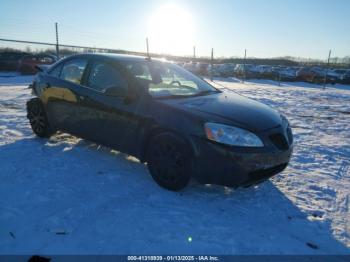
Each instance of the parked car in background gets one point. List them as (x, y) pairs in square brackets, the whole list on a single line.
[(335, 76), (191, 66), (311, 74), (214, 70), (221, 70), (27, 64), (180, 63), (346, 77), (265, 71), (227, 70), (202, 69), (174, 121), (251, 71), (282, 73), (9, 61), (246, 71)]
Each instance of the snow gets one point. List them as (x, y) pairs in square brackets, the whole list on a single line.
[(65, 195)]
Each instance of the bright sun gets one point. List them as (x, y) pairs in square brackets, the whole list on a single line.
[(171, 30)]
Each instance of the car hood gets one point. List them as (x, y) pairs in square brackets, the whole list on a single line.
[(242, 111)]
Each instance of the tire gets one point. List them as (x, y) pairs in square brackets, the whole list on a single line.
[(37, 118), (169, 161)]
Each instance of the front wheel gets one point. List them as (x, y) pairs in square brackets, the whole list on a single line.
[(169, 161), (38, 119)]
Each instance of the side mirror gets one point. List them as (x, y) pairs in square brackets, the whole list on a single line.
[(116, 91)]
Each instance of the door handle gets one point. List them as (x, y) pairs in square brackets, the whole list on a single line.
[(81, 98)]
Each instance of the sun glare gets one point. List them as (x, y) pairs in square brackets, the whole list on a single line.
[(171, 30)]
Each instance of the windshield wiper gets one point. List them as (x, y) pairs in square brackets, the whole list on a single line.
[(201, 93), (206, 92), (172, 96)]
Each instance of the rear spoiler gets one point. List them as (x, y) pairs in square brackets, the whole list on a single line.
[(42, 68)]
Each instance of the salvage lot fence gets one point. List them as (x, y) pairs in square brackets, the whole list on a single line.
[(63, 50)]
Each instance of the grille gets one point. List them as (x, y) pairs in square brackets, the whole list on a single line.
[(280, 141), (265, 173)]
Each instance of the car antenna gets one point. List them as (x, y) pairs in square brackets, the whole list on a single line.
[(148, 55)]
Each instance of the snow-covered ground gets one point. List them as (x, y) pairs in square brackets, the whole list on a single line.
[(67, 195)]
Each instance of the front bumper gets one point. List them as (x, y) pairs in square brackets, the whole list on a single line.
[(237, 166)]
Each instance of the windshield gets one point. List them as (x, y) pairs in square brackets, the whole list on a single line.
[(163, 79)]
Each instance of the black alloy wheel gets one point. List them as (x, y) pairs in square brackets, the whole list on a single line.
[(37, 118), (169, 161)]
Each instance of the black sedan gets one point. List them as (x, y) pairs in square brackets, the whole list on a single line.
[(177, 123)]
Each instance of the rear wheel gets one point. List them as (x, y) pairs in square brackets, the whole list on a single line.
[(38, 119), (169, 161)]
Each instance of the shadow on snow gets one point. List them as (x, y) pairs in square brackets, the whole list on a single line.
[(67, 195)]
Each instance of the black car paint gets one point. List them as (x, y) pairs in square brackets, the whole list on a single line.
[(235, 108), (127, 123)]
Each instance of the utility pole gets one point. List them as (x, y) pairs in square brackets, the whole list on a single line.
[(194, 52), (211, 62), (147, 46), (244, 62), (326, 73), (57, 46)]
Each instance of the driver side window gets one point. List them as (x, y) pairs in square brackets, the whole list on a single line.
[(103, 76), (170, 76)]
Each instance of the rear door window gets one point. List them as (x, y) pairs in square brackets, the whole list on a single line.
[(73, 70)]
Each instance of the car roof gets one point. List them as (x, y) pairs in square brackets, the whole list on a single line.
[(116, 57)]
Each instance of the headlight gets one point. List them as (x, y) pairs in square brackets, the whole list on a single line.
[(231, 135)]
